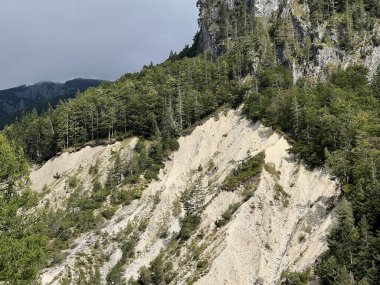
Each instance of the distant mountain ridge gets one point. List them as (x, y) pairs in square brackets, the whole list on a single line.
[(17, 100)]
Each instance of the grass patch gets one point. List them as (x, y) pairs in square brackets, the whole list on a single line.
[(271, 169)]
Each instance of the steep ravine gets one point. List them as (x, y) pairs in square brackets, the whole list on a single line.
[(282, 226)]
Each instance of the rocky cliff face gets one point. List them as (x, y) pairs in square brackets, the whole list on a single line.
[(275, 221), (299, 34)]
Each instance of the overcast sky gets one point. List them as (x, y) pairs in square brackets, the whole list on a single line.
[(58, 40)]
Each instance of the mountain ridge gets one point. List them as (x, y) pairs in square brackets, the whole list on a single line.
[(227, 165), (17, 100)]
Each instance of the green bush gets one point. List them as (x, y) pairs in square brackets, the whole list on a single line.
[(227, 215), (296, 278), (108, 213), (73, 182), (115, 276), (280, 194), (244, 172), (248, 193), (202, 265), (188, 225), (122, 197), (172, 144), (151, 174), (132, 179), (271, 168), (159, 272)]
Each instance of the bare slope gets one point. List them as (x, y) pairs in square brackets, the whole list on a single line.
[(282, 226)]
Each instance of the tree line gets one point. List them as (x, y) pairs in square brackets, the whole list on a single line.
[(159, 101)]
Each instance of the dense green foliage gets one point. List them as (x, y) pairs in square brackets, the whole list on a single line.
[(361, 12), (237, 34), (294, 33), (12, 164), (16, 101), (337, 123), (244, 172), (188, 225), (115, 276), (159, 272), (159, 101), (21, 250), (296, 278)]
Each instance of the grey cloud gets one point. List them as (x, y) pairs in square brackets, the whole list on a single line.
[(59, 40)]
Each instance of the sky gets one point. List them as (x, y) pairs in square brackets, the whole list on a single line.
[(58, 40)]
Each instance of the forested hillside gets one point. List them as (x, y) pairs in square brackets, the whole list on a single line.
[(16, 101), (306, 36), (331, 116), (162, 101)]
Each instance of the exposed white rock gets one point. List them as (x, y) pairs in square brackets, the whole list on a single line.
[(267, 237), (264, 8), (264, 237), (54, 174)]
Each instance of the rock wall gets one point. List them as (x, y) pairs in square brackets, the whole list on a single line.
[(322, 42)]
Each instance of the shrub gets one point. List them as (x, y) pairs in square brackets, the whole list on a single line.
[(210, 165), (271, 169), (159, 272), (279, 193), (128, 248), (189, 225), (248, 193), (115, 276), (122, 197), (151, 174), (244, 172), (296, 278), (133, 179), (73, 182), (143, 225), (172, 144), (202, 265), (108, 213), (227, 215)]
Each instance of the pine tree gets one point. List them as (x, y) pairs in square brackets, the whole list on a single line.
[(341, 240), (12, 165), (343, 277)]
